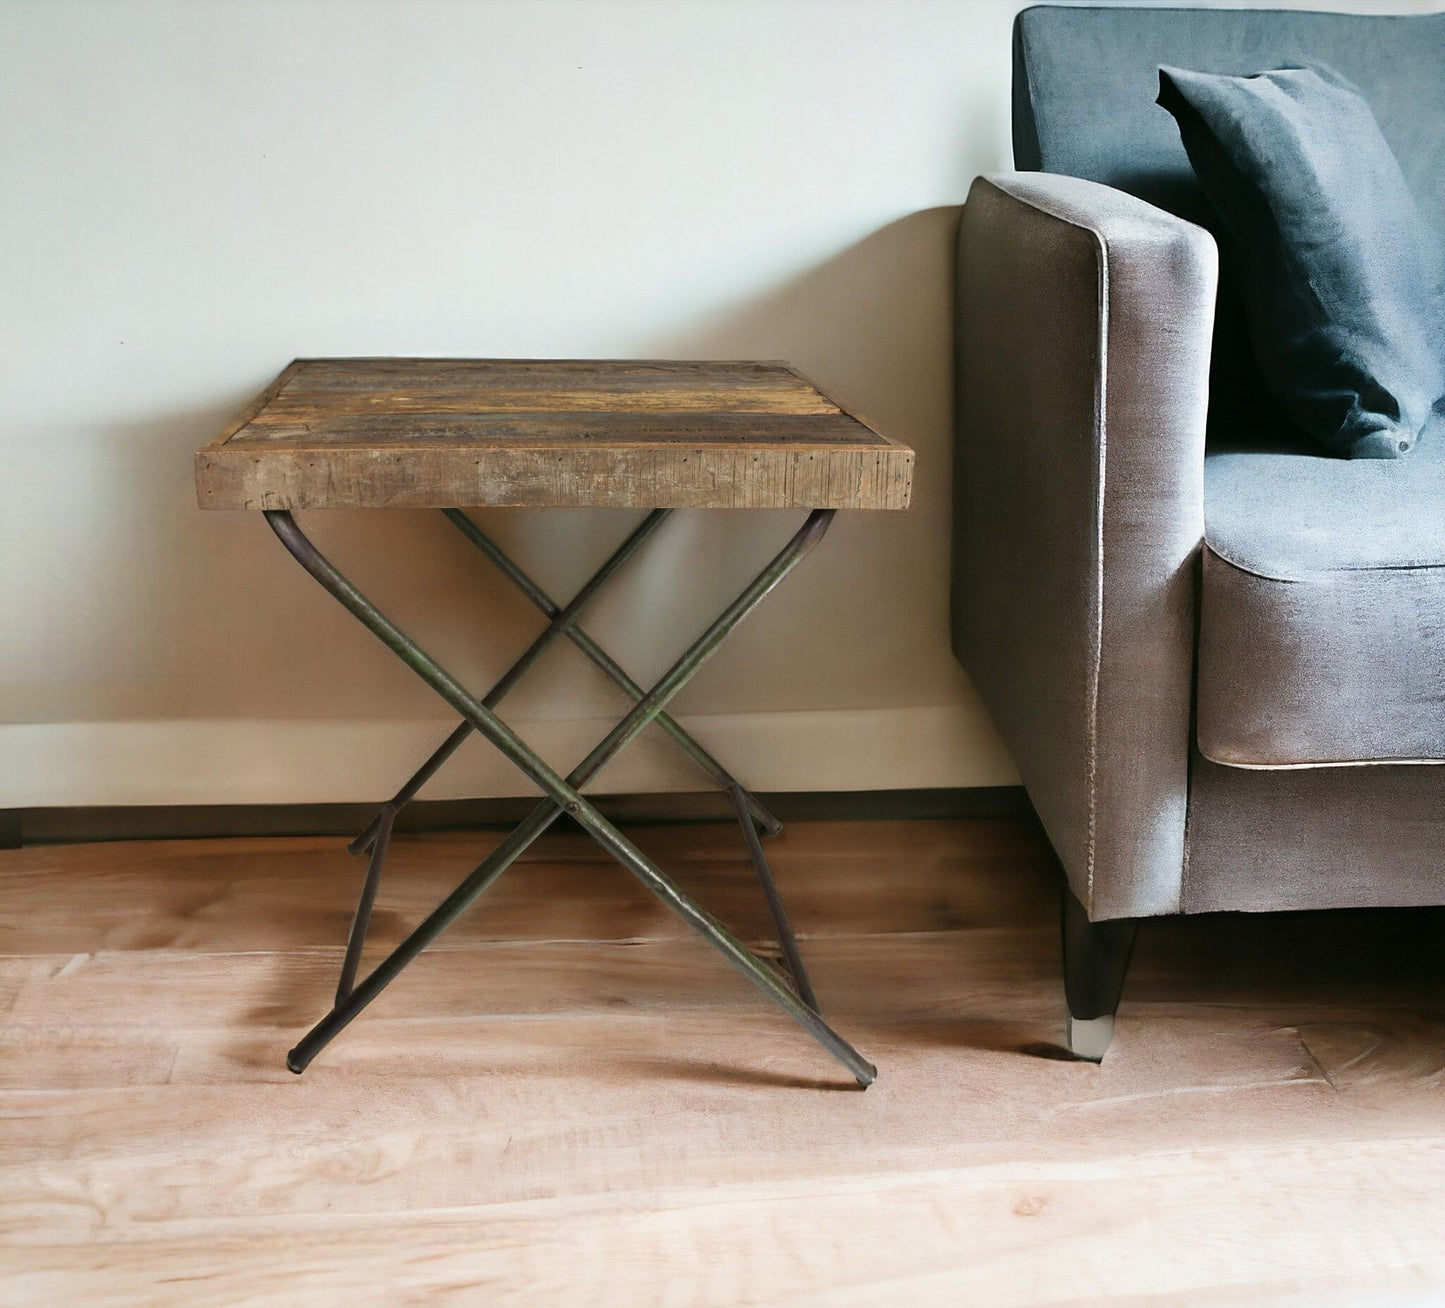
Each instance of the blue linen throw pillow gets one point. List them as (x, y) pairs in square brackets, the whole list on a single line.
[(1342, 280)]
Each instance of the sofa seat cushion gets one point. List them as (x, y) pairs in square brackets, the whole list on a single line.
[(1322, 622)]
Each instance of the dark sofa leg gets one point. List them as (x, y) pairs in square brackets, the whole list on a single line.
[(1096, 956)]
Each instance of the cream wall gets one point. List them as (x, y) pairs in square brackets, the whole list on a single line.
[(194, 193)]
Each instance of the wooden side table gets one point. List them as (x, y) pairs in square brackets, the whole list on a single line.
[(459, 433)]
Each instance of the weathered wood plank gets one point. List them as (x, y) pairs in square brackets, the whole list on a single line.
[(348, 426), (440, 433)]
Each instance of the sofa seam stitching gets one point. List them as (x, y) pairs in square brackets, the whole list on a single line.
[(1323, 575), (1101, 430), (1091, 726)]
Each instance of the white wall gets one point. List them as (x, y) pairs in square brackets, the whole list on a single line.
[(194, 193)]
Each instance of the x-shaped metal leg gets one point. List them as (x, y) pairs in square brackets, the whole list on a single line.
[(563, 795), (562, 622)]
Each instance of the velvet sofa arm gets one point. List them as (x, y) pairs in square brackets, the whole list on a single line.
[(1085, 319)]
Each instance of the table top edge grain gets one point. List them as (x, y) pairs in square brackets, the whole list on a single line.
[(781, 452)]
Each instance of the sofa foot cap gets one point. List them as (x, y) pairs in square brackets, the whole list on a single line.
[(1089, 1038)]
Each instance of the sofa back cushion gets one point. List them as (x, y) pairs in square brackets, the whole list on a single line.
[(1085, 81)]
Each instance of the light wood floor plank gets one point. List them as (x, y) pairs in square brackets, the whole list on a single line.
[(589, 1107), (1257, 1226), (230, 894)]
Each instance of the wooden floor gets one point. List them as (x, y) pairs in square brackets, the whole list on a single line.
[(571, 1100)]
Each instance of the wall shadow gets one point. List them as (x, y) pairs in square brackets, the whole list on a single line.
[(872, 325)]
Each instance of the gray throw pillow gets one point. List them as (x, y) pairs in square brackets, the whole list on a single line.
[(1342, 281)]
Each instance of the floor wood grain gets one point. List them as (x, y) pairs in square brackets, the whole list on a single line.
[(571, 1100)]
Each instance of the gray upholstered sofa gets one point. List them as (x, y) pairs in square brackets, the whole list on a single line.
[(1218, 659)]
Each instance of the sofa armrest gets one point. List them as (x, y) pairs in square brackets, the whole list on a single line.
[(1084, 325)]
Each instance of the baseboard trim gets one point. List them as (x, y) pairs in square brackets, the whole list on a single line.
[(329, 761), (46, 826)]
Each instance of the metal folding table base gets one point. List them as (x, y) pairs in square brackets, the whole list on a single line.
[(792, 993)]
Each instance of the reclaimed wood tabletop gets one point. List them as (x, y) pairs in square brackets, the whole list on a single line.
[(458, 433)]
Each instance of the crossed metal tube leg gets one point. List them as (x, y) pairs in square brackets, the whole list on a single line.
[(562, 622), (563, 794)]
